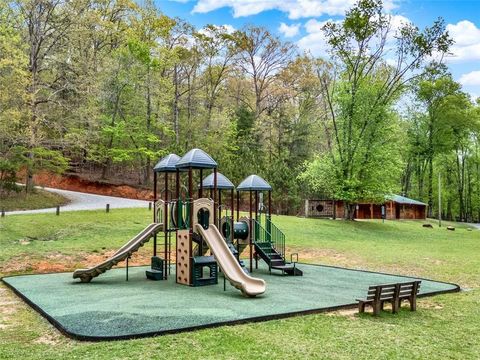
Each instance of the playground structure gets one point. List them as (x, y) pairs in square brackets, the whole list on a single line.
[(204, 224)]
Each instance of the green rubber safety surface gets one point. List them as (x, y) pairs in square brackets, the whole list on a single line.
[(110, 307)]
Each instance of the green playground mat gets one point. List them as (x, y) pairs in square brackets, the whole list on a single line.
[(111, 308)]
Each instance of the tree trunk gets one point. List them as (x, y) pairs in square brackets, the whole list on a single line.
[(176, 127), (147, 168), (350, 213)]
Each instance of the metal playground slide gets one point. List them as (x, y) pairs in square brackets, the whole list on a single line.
[(86, 275), (248, 285)]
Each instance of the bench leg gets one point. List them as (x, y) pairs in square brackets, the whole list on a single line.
[(413, 303), (377, 307), (395, 305), (361, 307)]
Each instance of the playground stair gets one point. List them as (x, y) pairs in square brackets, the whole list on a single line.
[(275, 260), (270, 247)]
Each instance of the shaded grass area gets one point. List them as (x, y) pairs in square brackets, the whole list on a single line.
[(39, 199), (445, 326)]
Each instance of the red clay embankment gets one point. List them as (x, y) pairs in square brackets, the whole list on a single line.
[(77, 183)]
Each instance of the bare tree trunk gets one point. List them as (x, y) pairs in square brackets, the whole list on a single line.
[(108, 162), (176, 127), (147, 167)]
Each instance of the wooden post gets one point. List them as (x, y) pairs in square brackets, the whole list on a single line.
[(270, 204), (190, 196), (57, 210), (200, 189), (154, 195), (252, 232), (107, 208), (177, 195), (155, 219), (165, 228), (219, 206), (126, 274), (3, 212), (232, 202), (238, 205), (215, 203), (256, 205), (190, 222), (177, 184), (439, 200), (268, 222)]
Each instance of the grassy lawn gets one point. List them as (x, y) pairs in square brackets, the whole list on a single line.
[(444, 326), (39, 199)]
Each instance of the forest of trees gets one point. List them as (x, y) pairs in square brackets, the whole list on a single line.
[(108, 87)]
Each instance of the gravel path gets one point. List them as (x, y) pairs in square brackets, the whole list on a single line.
[(84, 201)]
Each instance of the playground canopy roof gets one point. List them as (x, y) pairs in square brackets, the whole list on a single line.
[(197, 159), (223, 183), (167, 163), (254, 183), (404, 200)]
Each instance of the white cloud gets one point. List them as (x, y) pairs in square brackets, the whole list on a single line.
[(470, 79), (289, 30), (314, 42), (398, 21), (295, 9), (467, 41)]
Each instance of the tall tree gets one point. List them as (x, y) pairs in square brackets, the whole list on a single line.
[(261, 55), (361, 89)]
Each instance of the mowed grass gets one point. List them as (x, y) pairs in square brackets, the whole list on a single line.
[(39, 199), (444, 326)]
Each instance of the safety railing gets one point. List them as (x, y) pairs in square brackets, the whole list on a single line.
[(275, 237)]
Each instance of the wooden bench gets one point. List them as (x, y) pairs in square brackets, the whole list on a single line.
[(378, 295)]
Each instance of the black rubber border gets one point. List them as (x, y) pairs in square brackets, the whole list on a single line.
[(256, 319)]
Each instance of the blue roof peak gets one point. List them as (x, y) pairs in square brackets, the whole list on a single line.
[(198, 159), (255, 183), (167, 163), (223, 183)]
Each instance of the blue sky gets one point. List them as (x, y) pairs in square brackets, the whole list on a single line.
[(299, 21)]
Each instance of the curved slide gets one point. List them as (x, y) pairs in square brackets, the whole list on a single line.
[(86, 275), (248, 285)]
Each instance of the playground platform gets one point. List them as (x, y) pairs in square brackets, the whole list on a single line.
[(111, 308)]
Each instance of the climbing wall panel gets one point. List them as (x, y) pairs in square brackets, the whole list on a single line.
[(183, 257)]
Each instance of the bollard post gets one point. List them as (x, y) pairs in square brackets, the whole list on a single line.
[(3, 212), (149, 206), (57, 212), (107, 208), (128, 257)]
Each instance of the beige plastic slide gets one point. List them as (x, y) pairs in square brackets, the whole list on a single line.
[(86, 275), (232, 270)]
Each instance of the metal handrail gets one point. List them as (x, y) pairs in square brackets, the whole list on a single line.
[(275, 236), (278, 237)]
